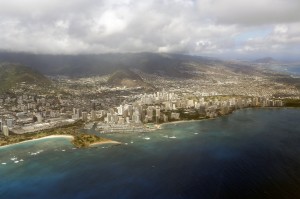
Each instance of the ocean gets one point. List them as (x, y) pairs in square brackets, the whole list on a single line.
[(252, 153), (294, 70)]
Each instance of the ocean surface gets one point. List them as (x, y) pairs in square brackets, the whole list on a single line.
[(252, 153), (294, 70)]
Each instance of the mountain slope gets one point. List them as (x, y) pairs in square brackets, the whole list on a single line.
[(102, 64), (163, 64), (13, 74), (265, 60), (128, 79)]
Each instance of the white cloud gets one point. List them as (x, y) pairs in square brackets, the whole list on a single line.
[(186, 26), (247, 12), (108, 23), (280, 29)]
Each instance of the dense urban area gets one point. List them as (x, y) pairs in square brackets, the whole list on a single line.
[(32, 109)]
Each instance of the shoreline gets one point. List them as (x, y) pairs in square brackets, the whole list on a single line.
[(159, 126), (178, 122), (70, 137), (186, 121), (204, 119), (104, 142)]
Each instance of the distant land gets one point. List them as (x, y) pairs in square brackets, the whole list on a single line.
[(270, 63)]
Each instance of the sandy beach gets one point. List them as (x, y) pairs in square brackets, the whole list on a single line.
[(178, 122), (70, 137), (47, 137), (105, 142)]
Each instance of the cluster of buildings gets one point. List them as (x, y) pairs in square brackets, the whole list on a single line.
[(164, 106), (31, 113), (224, 82), (207, 94)]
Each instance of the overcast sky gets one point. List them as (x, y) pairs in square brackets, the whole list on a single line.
[(233, 28)]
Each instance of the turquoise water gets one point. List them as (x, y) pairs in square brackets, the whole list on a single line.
[(249, 154)]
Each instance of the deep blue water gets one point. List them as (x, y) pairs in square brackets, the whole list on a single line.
[(249, 154), (295, 70)]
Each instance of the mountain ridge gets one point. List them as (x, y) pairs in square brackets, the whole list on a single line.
[(164, 64), (265, 60)]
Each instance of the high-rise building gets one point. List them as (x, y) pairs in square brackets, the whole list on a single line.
[(93, 115), (84, 116), (79, 113), (120, 110), (190, 103), (157, 112), (93, 105), (74, 111), (150, 113), (130, 110), (121, 120), (1, 124), (5, 130), (127, 120), (9, 122), (39, 118), (136, 117), (115, 118)]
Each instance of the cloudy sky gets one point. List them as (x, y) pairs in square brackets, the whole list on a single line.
[(224, 28)]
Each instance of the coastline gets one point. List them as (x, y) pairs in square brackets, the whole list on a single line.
[(104, 142), (204, 119), (177, 122), (158, 127), (184, 121), (42, 138), (69, 137)]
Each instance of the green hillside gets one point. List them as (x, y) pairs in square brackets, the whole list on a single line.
[(171, 65), (127, 78), (13, 74)]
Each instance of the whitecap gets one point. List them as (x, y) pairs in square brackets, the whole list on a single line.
[(40, 151)]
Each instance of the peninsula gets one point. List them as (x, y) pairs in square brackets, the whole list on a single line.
[(80, 140)]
